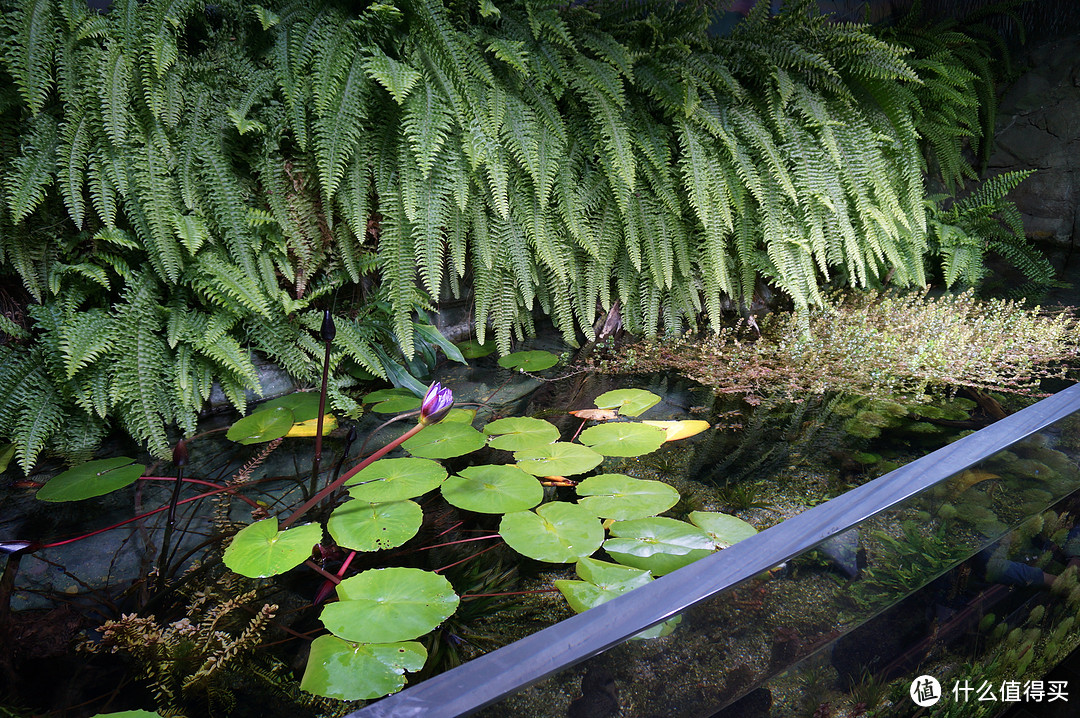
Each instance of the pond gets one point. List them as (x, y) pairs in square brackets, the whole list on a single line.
[(763, 463)]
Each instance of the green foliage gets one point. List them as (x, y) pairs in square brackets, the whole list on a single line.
[(185, 184), (959, 62), (985, 222)]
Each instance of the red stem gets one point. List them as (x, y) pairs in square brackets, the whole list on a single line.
[(467, 558), (509, 593), (250, 502), (452, 543), (578, 432), (136, 518), (331, 487), (345, 564)]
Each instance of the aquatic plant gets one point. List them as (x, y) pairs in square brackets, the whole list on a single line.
[(380, 612), (191, 660), (882, 345)]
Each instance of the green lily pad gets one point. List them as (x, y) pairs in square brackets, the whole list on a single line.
[(260, 550), (461, 416), (471, 349), (583, 595), (603, 581), (381, 395), (516, 433), (557, 532), (304, 405), (128, 714), (660, 545), (363, 526), (629, 402), (529, 361), (384, 605), (445, 441), (93, 478), (622, 497), (724, 529), (493, 490), (396, 479), (262, 426), (398, 405), (392, 401), (558, 459), (623, 438), (358, 671)]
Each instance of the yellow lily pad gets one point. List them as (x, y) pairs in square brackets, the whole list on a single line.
[(680, 429), (309, 427)]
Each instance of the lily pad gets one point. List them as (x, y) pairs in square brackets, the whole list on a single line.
[(380, 395), (384, 605), (516, 433), (262, 426), (680, 429), (311, 426), (622, 497), (398, 405), (603, 581), (93, 478), (358, 671), (660, 545), (558, 459), (724, 529), (396, 479), (128, 714), (471, 349), (445, 441), (392, 401), (583, 595), (623, 438), (557, 532), (493, 490), (304, 405), (364, 526), (529, 361), (629, 402), (461, 416), (260, 550)]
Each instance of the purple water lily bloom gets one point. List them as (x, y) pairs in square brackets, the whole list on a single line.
[(436, 405)]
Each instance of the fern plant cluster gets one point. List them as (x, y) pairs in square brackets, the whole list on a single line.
[(184, 181), (158, 234)]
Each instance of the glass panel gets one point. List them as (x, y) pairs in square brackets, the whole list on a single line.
[(946, 541)]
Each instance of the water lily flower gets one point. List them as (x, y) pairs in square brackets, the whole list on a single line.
[(436, 405)]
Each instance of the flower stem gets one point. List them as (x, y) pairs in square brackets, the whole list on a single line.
[(330, 488)]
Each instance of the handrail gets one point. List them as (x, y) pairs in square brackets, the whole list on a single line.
[(484, 680)]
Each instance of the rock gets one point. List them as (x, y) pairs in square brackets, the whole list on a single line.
[(1039, 128), (274, 380)]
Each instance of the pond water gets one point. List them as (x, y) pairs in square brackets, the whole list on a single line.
[(763, 462)]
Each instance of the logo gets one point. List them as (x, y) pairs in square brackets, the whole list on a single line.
[(925, 691)]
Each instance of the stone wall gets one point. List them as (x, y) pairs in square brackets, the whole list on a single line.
[(1039, 128)]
